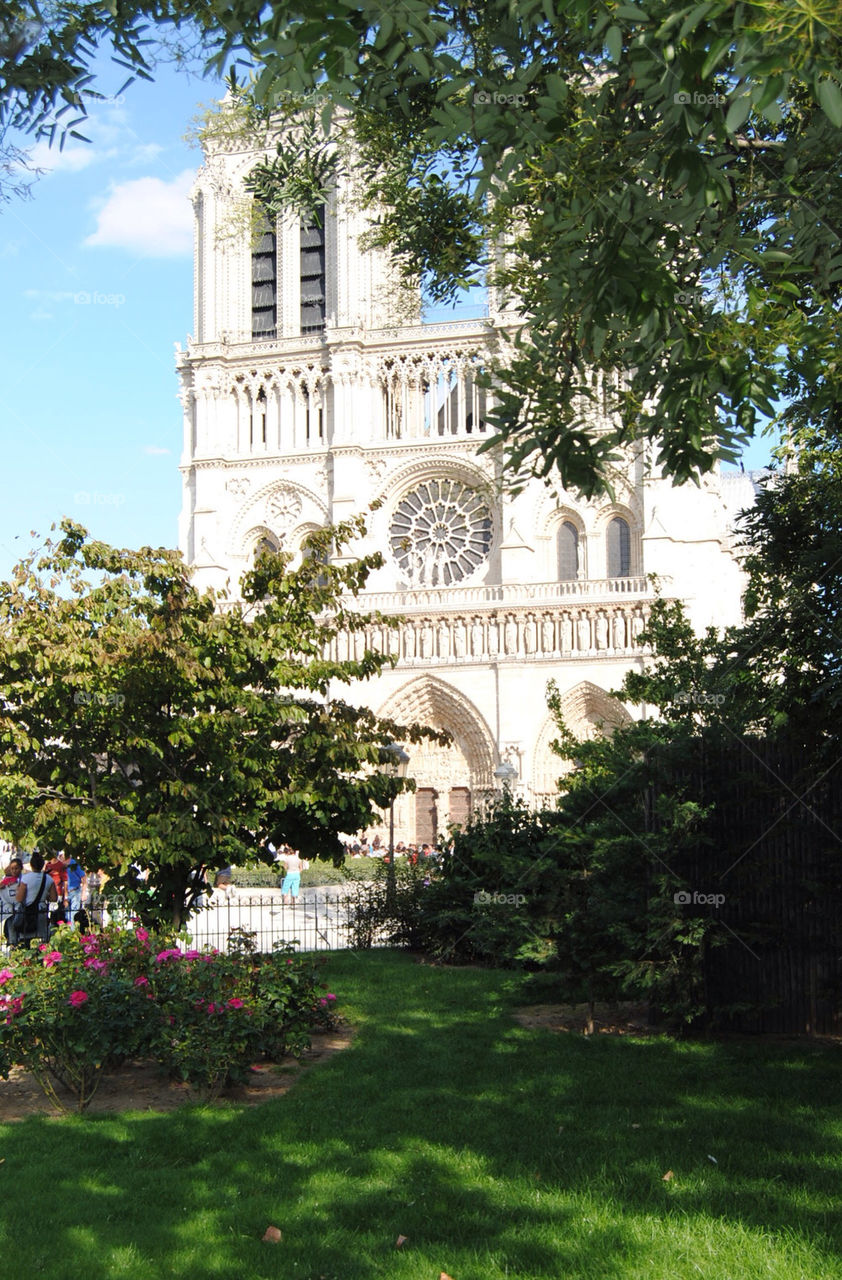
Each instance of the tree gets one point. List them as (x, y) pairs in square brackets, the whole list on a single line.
[(779, 673), (143, 724), (661, 185)]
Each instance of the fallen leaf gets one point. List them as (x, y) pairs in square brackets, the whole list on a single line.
[(635, 1126), (401, 1241), (668, 1176), (444, 1276), (272, 1235), (713, 1159)]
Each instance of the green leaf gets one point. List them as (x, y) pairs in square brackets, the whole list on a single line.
[(738, 113), (614, 43), (830, 98)]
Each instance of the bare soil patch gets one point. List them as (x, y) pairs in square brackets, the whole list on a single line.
[(624, 1019), (139, 1086)]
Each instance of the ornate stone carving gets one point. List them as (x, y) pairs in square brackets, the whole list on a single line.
[(440, 533), (283, 508), (238, 485), (443, 638)]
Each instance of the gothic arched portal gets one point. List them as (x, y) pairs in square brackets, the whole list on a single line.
[(587, 711), (448, 779)]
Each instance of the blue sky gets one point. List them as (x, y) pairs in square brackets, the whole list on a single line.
[(96, 272)]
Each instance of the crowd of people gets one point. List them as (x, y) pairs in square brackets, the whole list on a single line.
[(374, 848), (37, 894)]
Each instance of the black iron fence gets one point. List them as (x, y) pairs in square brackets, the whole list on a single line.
[(329, 919)]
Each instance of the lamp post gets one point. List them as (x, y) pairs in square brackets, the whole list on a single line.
[(397, 759), (507, 774)]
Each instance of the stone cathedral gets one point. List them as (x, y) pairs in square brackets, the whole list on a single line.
[(311, 388)]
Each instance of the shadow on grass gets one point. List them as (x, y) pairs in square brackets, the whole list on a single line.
[(494, 1149)]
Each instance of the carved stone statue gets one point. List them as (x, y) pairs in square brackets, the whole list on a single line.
[(601, 631), (566, 633), (444, 639), (476, 638), (619, 630), (459, 638), (510, 634), (547, 636), (530, 635), (583, 632)]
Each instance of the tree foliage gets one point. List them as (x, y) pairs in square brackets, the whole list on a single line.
[(145, 724), (660, 183), (780, 671)]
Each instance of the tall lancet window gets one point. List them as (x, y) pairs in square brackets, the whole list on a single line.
[(264, 283), (619, 548), (313, 308), (568, 552)]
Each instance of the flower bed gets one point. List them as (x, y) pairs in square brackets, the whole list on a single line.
[(84, 1003)]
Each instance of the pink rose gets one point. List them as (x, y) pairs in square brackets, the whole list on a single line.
[(77, 998), (141, 981), (141, 935), (51, 959), (5, 975), (235, 1003)]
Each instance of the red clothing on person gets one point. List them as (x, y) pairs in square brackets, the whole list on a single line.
[(57, 872)]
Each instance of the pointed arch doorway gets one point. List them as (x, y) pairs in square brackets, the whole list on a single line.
[(450, 780)]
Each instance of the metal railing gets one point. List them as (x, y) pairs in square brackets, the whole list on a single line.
[(326, 919)]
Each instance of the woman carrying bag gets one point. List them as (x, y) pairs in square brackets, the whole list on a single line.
[(34, 894)]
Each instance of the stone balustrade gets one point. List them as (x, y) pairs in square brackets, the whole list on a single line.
[(496, 635), (511, 593)]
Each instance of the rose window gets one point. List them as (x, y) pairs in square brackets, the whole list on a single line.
[(440, 533)]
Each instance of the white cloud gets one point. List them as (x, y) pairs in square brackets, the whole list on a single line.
[(147, 215), (74, 156), (144, 152), (154, 449)]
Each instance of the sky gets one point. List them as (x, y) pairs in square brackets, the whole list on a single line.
[(96, 281)]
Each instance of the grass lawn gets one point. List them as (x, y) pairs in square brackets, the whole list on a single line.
[(497, 1152)]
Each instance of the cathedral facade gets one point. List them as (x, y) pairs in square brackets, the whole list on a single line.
[(311, 389)]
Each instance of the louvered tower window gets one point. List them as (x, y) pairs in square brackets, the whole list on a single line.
[(264, 283), (568, 552), (313, 271), (619, 548)]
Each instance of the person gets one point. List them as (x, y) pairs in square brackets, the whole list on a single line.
[(36, 888), (8, 896), (291, 883), (77, 886), (56, 869), (223, 885)]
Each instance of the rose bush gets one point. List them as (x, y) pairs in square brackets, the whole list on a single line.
[(83, 1003)]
